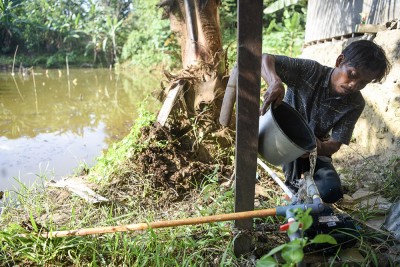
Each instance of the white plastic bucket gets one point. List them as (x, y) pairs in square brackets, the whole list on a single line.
[(284, 135)]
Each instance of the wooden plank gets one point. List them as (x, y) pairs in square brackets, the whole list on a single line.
[(370, 28), (247, 102), (326, 19), (169, 102)]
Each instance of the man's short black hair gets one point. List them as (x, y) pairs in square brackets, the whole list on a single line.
[(368, 56)]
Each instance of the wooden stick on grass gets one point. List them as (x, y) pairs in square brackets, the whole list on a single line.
[(162, 224)]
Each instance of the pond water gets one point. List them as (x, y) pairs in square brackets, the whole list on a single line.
[(52, 122)]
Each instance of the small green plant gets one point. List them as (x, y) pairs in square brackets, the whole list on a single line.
[(292, 252)]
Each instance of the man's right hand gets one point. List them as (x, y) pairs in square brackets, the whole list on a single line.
[(274, 94), (275, 91)]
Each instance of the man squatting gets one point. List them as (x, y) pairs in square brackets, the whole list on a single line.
[(330, 101)]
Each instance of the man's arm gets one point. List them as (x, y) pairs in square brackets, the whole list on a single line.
[(276, 91), (328, 147)]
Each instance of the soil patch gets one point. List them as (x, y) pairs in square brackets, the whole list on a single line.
[(167, 171)]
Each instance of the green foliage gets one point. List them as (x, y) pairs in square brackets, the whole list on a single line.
[(108, 32), (9, 24), (150, 41), (51, 25), (286, 37), (228, 25), (54, 60), (292, 252), (61, 26), (283, 27)]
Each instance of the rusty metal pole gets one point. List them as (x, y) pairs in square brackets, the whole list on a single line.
[(247, 108)]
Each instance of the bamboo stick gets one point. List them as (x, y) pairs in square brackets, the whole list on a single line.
[(15, 54), (35, 91), (162, 224), (68, 81), (16, 85)]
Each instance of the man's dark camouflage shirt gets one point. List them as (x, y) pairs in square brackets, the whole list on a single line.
[(308, 86)]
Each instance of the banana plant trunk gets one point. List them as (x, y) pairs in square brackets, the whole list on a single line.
[(196, 25)]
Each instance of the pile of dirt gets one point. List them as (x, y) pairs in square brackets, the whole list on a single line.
[(169, 162), (166, 171)]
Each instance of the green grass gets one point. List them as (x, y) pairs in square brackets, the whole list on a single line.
[(180, 246), (391, 175), (32, 210), (167, 247)]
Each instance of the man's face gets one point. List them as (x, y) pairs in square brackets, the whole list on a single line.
[(347, 80)]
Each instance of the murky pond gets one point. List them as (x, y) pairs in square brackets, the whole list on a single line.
[(51, 122)]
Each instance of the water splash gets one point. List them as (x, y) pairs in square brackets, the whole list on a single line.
[(313, 161)]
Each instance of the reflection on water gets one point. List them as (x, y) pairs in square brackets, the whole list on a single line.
[(50, 123)]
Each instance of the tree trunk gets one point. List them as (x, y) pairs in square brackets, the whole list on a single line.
[(196, 24)]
